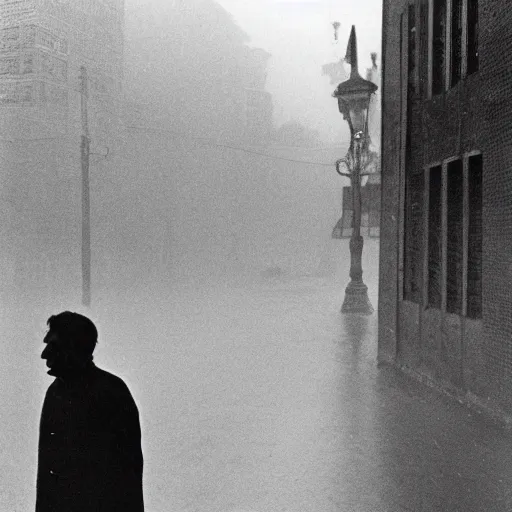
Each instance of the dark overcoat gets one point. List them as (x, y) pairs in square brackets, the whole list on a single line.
[(90, 456)]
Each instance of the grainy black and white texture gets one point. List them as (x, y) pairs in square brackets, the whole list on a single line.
[(449, 322), (215, 284)]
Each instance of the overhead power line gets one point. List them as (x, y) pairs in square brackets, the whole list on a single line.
[(205, 140), (236, 148)]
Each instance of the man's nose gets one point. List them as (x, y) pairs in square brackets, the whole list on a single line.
[(44, 353)]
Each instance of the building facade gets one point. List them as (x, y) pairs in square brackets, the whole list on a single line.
[(258, 102), (446, 227), (201, 72), (43, 45)]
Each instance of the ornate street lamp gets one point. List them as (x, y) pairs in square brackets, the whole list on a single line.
[(354, 101)]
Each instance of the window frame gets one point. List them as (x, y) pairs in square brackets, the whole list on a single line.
[(465, 157), (447, 47), (426, 230), (463, 226), (478, 25), (431, 47)]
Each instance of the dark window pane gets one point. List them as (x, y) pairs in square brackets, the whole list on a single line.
[(412, 45), (423, 46), (438, 46), (474, 302), (473, 27), (456, 56), (413, 236), (454, 237), (435, 237)]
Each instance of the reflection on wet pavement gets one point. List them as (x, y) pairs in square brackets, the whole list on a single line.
[(273, 402), (264, 398)]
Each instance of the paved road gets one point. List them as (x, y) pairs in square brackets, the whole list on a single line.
[(264, 398)]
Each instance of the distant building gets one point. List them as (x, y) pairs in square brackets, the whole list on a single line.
[(258, 101), (335, 71), (258, 115), (42, 46), (446, 245), (373, 74), (296, 135), (194, 61)]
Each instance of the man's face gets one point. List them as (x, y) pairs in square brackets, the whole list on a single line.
[(61, 357)]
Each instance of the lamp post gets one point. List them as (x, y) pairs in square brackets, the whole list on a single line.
[(353, 97)]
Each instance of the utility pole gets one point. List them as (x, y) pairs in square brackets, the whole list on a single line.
[(86, 207)]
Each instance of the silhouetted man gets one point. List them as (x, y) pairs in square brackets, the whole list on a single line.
[(90, 457)]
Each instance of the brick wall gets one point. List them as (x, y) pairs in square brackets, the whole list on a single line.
[(496, 101), (390, 149), (475, 114)]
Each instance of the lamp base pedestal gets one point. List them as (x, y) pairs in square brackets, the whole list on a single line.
[(356, 299)]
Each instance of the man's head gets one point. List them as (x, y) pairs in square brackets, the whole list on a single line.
[(70, 343)]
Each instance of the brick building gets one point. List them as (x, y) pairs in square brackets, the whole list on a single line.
[(446, 228)]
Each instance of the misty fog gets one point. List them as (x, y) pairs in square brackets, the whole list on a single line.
[(212, 183)]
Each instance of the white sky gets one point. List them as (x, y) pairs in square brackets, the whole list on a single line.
[(300, 37)]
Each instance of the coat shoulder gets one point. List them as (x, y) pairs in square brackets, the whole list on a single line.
[(110, 382), (107, 377)]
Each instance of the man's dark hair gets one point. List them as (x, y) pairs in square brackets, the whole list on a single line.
[(73, 326)]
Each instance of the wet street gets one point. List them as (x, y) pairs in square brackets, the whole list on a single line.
[(176, 171), (261, 397)]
